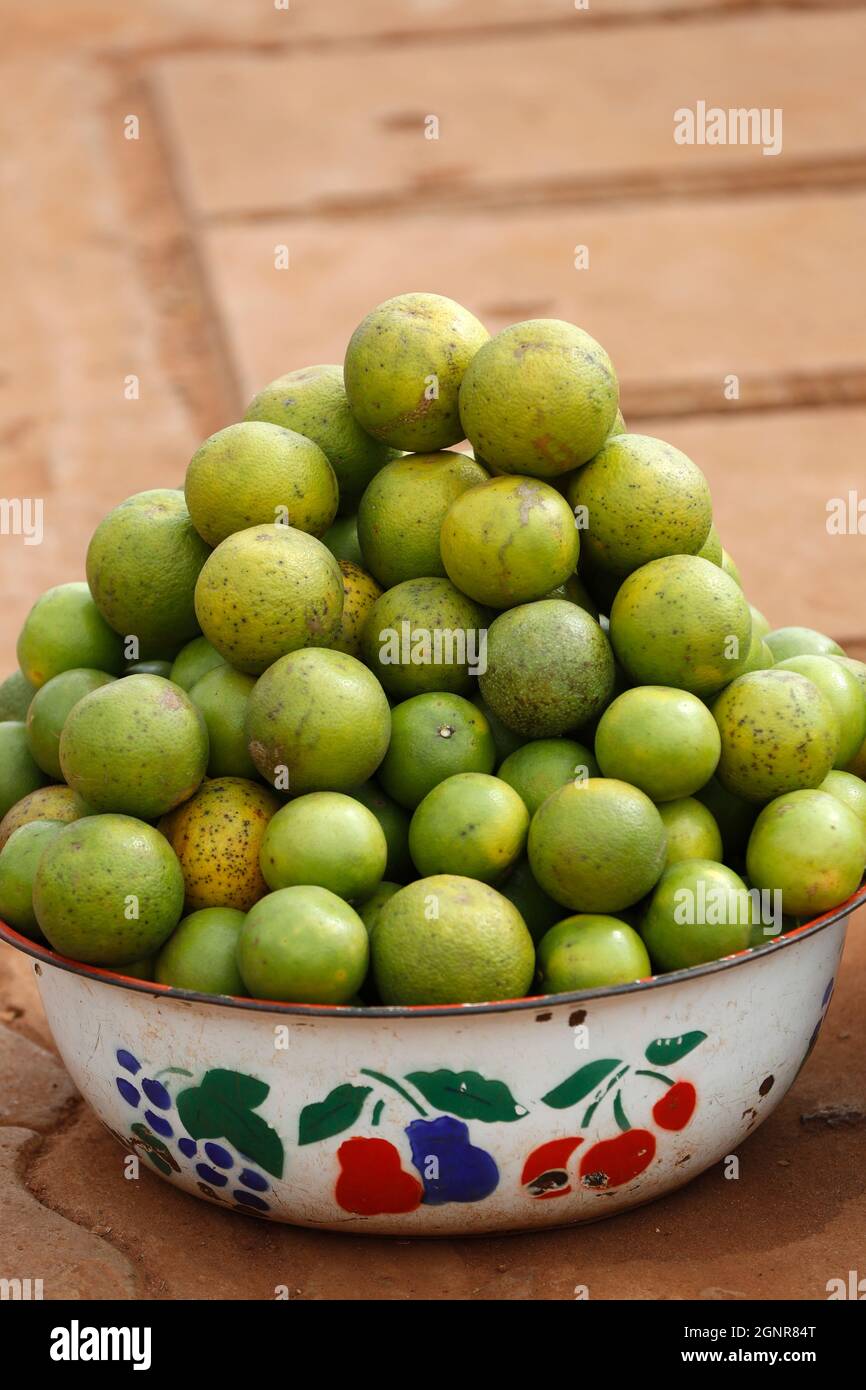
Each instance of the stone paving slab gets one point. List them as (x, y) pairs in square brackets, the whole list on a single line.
[(72, 1261), (680, 294), (790, 1222), (87, 306), (36, 1092), (537, 112)]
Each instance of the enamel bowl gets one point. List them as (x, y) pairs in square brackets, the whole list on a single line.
[(455, 1120)]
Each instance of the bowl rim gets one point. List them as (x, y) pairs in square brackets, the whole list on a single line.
[(536, 1002)]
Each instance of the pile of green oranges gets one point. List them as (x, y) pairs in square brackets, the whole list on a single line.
[(360, 717)]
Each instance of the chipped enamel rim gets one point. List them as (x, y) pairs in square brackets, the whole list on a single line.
[(534, 1001)]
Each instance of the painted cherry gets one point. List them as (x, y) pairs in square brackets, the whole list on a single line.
[(545, 1172), (372, 1180), (675, 1108), (612, 1162)]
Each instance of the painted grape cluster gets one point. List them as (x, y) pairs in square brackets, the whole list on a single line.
[(220, 1108)]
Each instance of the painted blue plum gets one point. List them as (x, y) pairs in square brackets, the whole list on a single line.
[(452, 1169)]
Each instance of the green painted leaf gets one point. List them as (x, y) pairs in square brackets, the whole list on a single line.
[(325, 1118), (663, 1051), (236, 1087), (577, 1086), (222, 1107), (200, 1113), (468, 1094), (253, 1137)]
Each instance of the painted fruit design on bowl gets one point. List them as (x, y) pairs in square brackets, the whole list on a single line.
[(612, 1160), (213, 1126), (449, 1166), (424, 1139)]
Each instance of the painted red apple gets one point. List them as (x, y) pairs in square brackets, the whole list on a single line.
[(612, 1162), (372, 1180)]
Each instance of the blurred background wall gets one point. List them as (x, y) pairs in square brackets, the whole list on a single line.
[(198, 197)]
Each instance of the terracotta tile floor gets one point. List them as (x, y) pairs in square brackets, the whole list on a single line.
[(154, 258)]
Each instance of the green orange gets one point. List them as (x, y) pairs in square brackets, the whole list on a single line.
[(254, 473), (509, 540), (268, 591), (471, 824), (800, 641), (49, 711), (811, 847), (370, 910), (778, 732), (401, 513), (699, 912), (663, 740), (692, 831), (424, 635), (19, 774), (640, 499), (313, 401), (46, 803), (712, 550), (448, 939), (137, 746), (843, 692), (433, 737), (327, 839), (108, 890), (221, 696), (19, 860), (540, 398), (201, 953), (64, 630), (16, 692), (194, 661), (760, 625), (541, 767), (681, 621), (597, 845), (305, 945), (590, 951), (317, 720), (404, 365), (849, 789), (549, 668), (142, 566)]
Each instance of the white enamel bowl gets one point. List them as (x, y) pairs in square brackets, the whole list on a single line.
[(456, 1120)]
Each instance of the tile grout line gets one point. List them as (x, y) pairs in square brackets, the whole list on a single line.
[(199, 359), (838, 174), (593, 20)]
